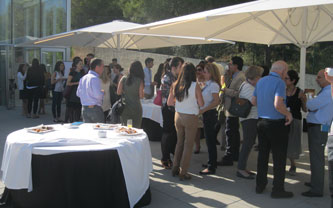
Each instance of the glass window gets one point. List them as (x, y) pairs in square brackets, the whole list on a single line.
[(54, 17), (5, 23), (26, 20)]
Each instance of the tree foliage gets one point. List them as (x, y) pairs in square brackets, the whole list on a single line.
[(86, 13)]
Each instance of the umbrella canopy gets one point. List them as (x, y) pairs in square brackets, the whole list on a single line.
[(104, 36), (302, 23)]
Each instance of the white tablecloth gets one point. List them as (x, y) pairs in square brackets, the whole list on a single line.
[(152, 111), (134, 153)]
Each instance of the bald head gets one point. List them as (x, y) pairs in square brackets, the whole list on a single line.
[(280, 67), (322, 82)]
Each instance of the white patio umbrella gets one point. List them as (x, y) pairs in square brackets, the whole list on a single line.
[(104, 36), (299, 22)]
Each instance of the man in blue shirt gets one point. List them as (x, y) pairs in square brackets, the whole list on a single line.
[(149, 85), (330, 144), (319, 120), (273, 128), (90, 93)]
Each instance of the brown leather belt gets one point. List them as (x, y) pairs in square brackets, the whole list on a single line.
[(90, 106)]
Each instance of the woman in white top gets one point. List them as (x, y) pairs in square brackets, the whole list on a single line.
[(249, 124), (210, 93), (58, 81), (105, 85), (186, 95), (21, 75)]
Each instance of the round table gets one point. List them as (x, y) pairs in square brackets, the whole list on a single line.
[(77, 153), (152, 120)]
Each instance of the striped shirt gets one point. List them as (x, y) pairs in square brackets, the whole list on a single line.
[(247, 93)]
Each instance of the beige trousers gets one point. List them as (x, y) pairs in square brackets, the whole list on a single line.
[(186, 126)]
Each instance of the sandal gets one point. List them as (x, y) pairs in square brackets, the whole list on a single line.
[(185, 176), (207, 171), (166, 164), (175, 171)]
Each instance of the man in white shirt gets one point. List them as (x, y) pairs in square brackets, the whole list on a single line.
[(149, 85)]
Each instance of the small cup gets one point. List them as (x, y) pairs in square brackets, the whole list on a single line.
[(102, 134), (329, 71)]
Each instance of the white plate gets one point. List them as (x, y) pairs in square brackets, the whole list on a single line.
[(41, 128), (102, 126), (126, 134), (70, 126)]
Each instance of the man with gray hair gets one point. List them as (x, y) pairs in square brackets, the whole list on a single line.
[(319, 120), (273, 127)]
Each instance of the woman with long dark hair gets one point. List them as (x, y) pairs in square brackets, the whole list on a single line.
[(131, 89), (21, 76), (34, 83), (73, 106), (169, 136), (57, 80), (186, 95)]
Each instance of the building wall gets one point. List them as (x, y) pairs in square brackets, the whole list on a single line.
[(126, 57)]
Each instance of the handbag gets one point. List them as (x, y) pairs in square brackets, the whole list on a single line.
[(67, 92), (158, 98), (119, 106), (240, 107)]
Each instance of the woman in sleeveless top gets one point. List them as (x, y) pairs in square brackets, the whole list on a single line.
[(296, 100), (73, 106), (186, 95), (210, 93), (57, 79), (131, 90)]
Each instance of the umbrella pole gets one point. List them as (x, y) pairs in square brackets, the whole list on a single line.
[(302, 67)]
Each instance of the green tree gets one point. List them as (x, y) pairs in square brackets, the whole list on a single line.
[(87, 13)]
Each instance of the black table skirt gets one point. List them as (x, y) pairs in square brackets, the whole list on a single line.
[(152, 129), (79, 179)]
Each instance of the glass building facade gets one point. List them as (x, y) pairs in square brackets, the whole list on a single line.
[(24, 20)]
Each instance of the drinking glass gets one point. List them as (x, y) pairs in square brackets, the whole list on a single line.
[(129, 123)]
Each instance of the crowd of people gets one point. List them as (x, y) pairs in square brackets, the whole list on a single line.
[(197, 101)]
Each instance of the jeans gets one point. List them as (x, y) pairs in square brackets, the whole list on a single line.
[(56, 104), (186, 126), (210, 120), (272, 135), (249, 127), (233, 139), (33, 97), (169, 136), (92, 115)]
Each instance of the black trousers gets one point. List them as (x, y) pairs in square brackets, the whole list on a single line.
[(33, 97), (169, 136), (233, 139), (56, 104), (272, 135), (210, 121)]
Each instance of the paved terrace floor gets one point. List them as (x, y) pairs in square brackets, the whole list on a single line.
[(221, 190)]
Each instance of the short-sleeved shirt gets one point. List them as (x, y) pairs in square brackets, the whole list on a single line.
[(266, 90), (207, 92)]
